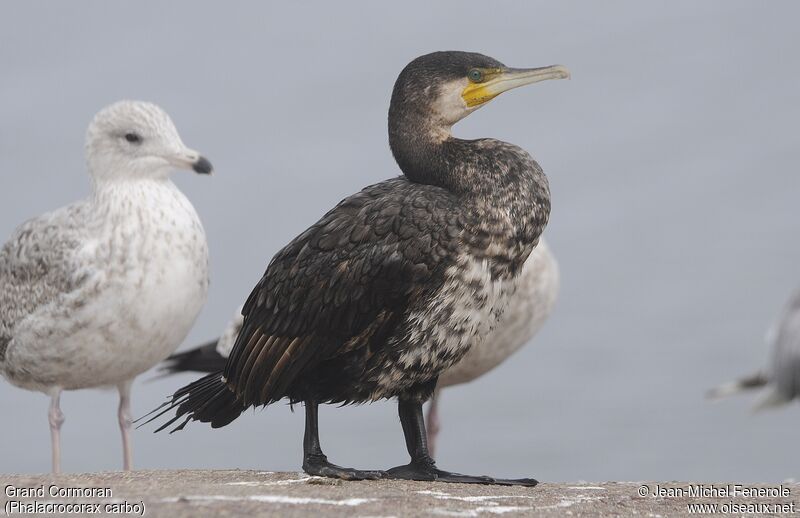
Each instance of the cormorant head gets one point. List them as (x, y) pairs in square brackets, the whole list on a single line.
[(447, 86)]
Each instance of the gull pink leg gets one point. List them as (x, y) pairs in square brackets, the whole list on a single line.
[(56, 418), (433, 423), (125, 421)]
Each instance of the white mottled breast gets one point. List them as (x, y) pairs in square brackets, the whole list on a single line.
[(474, 302), (461, 315), (525, 314), (143, 278)]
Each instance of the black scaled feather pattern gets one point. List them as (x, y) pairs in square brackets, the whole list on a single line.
[(369, 302)]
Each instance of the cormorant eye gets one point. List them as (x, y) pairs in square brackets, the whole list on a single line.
[(475, 75), (133, 138)]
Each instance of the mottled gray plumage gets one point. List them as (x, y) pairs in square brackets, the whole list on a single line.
[(35, 266)]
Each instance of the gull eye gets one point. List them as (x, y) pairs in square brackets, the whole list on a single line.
[(475, 75), (133, 138)]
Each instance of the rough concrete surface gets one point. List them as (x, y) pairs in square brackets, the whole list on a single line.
[(255, 493)]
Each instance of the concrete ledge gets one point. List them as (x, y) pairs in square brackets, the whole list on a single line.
[(253, 493)]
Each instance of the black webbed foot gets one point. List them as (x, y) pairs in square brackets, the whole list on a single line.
[(426, 470), (318, 465), (415, 470)]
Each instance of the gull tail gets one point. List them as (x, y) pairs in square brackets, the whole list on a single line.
[(772, 399), (208, 400), (200, 359), (755, 381)]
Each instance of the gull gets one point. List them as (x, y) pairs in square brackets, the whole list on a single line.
[(782, 377), (95, 293)]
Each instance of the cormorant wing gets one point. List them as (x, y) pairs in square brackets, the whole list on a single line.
[(343, 283)]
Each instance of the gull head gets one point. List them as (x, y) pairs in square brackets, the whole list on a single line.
[(135, 139)]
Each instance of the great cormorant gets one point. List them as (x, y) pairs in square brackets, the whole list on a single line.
[(98, 292), (398, 281), (527, 310), (783, 375)]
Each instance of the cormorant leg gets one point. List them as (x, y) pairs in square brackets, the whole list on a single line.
[(432, 421), (316, 463), (56, 418), (422, 466), (125, 421)]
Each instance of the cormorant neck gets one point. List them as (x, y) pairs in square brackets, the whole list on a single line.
[(428, 153)]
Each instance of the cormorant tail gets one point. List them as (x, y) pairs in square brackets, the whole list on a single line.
[(208, 400), (200, 359), (757, 380)]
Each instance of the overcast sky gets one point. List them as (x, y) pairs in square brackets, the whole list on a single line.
[(672, 156)]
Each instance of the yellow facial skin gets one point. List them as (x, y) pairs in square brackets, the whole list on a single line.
[(476, 92), (487, 83)]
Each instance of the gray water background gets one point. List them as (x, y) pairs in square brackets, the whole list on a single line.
[(672, 156)]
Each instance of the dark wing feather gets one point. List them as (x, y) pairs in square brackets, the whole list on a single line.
[(338, 284), (204, 358)]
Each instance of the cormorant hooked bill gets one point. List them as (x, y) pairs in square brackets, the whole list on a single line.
[(397, 282)]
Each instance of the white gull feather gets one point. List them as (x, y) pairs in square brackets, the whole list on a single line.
[(96, 293)]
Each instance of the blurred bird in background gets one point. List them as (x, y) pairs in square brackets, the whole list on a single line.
[(782, 377)]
